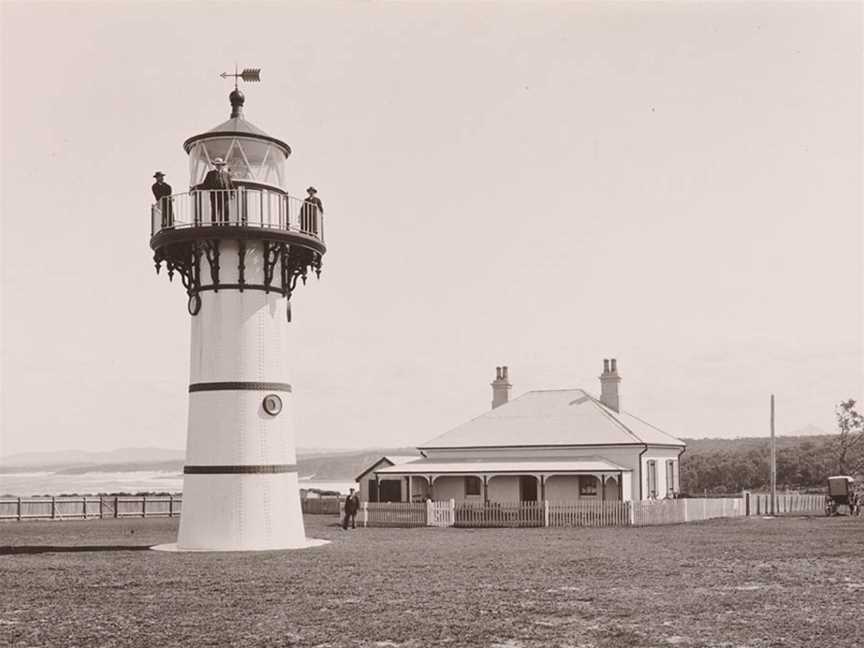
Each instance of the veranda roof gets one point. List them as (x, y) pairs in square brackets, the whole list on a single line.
[(557, 417), (426, 467)]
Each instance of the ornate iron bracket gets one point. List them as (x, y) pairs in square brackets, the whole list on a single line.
[(241, 263), (211, 250), (272, 253)]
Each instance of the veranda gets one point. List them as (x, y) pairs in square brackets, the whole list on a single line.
[(574, 514)]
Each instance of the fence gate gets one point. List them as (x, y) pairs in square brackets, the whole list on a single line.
[(439, 514)]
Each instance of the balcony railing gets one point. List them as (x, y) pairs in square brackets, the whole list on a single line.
[(242, 207)]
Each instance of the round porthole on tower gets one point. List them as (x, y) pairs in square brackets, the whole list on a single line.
[(272, 404)]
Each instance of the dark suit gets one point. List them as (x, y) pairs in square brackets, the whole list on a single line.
[(218, 182), (162, 193), (352, 504), (309, 214)]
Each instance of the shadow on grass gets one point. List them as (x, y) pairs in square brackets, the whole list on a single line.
[(40, 549)]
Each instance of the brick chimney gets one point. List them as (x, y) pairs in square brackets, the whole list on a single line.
[(609, 380), (500, 387)]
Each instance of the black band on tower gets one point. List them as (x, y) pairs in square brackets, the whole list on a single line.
[(269, 469), (248, 386)]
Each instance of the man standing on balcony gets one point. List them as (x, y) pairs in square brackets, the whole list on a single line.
[(162, 193), (218, 183), (309, 212)]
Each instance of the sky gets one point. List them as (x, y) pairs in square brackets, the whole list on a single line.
[(538, 185)]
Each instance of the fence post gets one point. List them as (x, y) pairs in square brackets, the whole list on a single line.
[(429, 513), (19, 509), (170, 505), (116, 506), (53, 507), (365, 514), (144, 507), (452, 512), (84, 499), (545, 513), (101, 507), (745, 495)]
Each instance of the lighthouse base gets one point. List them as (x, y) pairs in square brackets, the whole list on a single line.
[(241, 512), (308, 544)]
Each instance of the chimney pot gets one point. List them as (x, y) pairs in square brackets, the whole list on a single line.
[(609, 393), (501, 387)]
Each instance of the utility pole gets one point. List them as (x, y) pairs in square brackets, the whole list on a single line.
[(773, 463)]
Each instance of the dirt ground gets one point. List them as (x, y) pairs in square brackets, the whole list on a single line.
[(746, 582)]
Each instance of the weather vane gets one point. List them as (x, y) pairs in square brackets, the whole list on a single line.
[(248, 74)]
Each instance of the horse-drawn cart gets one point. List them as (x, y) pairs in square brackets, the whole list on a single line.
[(842, 498)]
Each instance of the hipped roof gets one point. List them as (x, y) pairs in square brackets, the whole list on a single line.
[(559, 417), (531, 465)]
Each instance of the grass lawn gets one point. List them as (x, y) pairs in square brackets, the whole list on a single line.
[(744, 582)]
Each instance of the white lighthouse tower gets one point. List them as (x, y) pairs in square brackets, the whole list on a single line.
[(239, 252)]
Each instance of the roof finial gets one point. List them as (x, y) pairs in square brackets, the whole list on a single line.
[(236, 97)]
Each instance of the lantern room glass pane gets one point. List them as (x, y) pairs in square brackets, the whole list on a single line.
[(246, 159)]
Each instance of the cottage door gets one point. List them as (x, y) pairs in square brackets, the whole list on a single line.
[(527, 488)]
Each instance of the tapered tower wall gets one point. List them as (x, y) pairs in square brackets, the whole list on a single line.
[(239, 355)]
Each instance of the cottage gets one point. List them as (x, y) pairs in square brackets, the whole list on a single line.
[(560, 445)]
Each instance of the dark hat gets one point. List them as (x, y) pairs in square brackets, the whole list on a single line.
[(312, 189), (218, 161), (158, 174)]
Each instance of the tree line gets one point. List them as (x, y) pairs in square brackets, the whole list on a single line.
[(803, 463)]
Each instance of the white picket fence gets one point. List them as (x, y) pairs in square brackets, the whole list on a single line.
[(548, 514), (651, 512), (760, 503), (587, 514)]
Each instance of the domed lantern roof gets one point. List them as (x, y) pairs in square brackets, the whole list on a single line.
[(252, 156)]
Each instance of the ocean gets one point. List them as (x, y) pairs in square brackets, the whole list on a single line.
[(27, 484)]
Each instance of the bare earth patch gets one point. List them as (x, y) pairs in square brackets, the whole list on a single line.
[(726, 583)]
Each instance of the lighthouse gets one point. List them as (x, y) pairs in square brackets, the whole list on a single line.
[(239, 252)]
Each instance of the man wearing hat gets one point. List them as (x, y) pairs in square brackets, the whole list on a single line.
[(218, 182), (309, 212), (162, 193)]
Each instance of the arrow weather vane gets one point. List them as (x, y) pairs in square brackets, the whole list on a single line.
[(248, 75)]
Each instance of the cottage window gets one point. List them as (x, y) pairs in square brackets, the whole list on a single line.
[(652, 478), (587, 486), (670, 476), (472, 485), (390, 490)]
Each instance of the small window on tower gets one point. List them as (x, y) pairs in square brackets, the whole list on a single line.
[(473, 485)]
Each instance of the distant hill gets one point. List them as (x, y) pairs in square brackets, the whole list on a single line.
[(321, 464), (72, 457), (708, 465)]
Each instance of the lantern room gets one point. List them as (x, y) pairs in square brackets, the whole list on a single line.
[(253, 158)]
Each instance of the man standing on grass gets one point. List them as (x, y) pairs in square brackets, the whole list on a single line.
[(352, 504)]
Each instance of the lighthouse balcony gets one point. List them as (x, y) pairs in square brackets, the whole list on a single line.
[(273, 214)]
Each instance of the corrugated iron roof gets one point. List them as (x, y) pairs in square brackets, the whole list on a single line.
[(559, 417), (426, 466)]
